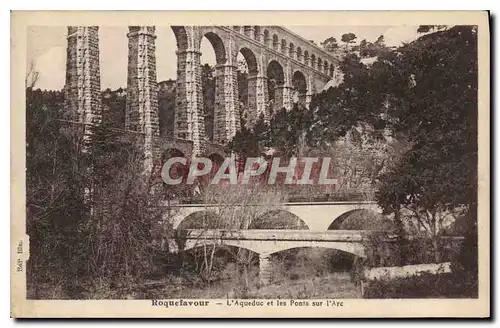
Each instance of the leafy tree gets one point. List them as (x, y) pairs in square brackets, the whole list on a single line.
[(330, 44), (437, 178), (348, 38), (55, 207)]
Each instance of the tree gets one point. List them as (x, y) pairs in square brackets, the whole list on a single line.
[(55, 207), (330, 44), (32, 75), (348, 38)]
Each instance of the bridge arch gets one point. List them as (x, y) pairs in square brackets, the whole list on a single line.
[(267, 38), (278, 219), (291, 50), (283, 46), (299, 54), (257, 32), (306, 58), (275, 42), (313, 61)]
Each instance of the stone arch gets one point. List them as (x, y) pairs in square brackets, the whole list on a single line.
[(283, 46), (275, 42), (332, 70), (237, 28), (181, 37), (361, 219), (203, 219), (325, 67), (218, 45), (275, 70), (306, 58), (299, 54), (248, 89), (313, 61), (275, 81), (278, 219), (320, 64), (299, 83), (291, 50), (251, 60), (350, 248), (267, 38)]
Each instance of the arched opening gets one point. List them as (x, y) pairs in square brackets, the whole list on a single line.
[(299, 54), (217, 45), (291, 51), (169, 40), (275, 82), (278, 219), (283, 46), (267, 38), (306, 58), (201, 220), (325, 267), (313, 61), (275, 42), (248, 31), (320, 64), (247, 88), (257, 32), (299, 89), (332, 70), (361, 219), (237, 28)]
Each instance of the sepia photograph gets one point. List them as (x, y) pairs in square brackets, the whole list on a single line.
[(197, 167)]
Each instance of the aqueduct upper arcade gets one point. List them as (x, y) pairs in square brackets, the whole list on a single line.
[(295, 68)]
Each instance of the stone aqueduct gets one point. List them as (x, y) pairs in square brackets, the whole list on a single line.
[(297, 67)]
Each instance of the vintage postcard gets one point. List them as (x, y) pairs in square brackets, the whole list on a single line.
[(308, 164)]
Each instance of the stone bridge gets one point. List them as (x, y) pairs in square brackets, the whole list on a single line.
[(267, 242), (316, 216)]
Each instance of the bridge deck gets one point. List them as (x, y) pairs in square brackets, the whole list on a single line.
[(275, 235)]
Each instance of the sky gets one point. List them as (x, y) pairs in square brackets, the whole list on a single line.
[(46, 47)]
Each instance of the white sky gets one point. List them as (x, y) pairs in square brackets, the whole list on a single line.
[(47, 48)]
